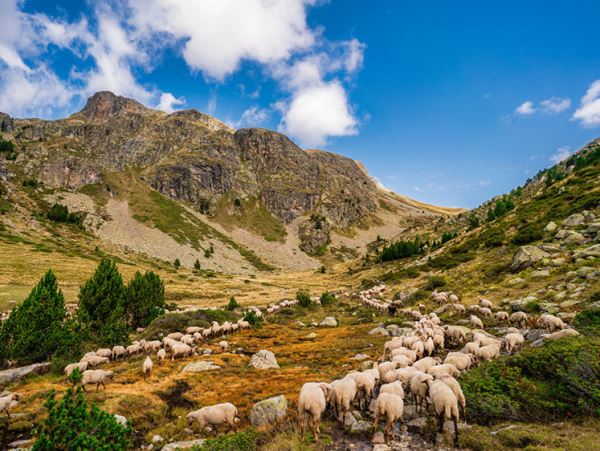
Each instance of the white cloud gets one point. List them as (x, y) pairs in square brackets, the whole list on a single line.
[(588, 112), (317, 112), (561, 154), (252, 117), (555, 105), (526, 108), (211, 106), (168, 102)]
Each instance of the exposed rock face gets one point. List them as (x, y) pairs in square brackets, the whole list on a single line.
[(264, 359), (314, 235), (16, 374), (6, 123), (526, 256), (268, 411), (104, 104)]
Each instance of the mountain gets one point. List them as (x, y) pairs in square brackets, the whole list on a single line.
[(186, 185)]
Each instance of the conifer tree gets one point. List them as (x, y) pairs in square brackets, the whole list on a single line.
[(144, 299)]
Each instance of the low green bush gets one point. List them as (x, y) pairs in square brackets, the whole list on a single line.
[(435, 282), (588, 322), (303, 298), (328, 298), (240, 441)]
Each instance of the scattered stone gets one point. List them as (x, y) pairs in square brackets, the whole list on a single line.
[(569, 304), (418, 425), (349, 420), (526, 256), (557, 262), (541, 273), (550, 227), (551, 248), (574, 220), (361, 427), (361, 357), (300, 323), (20, 444), (329, 321), (263, 359), (548, 307), (379, 331), (561, 234), (507, 428), (573, 237), (381, 447), (565, 316), (585, 271), (198, 367), (378, 438), (268, 411), (311, 336), (182, 445), (515, 281), (157, 439), (16, 374)]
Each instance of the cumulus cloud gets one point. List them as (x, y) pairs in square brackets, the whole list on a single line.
[(561, 154), (588, 112), (253, 117), (525, 109), (168, 102), (555, 105)]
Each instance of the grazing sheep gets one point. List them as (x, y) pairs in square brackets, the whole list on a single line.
[(425, 363), (476, 322), (551, 322), (81, 366), (512, 340), (429, 346), (459, 308), (147, 367), (385, 367), (192, 330), (489, 352), (486, 312), (519, 318), (418, 388), (244, 325), (95, 360), (8, 402), (216, 415), (456, 333), (453, 298), (454, 385), (485, 303), (133, 348), (401, 361), (512, 330), (152, 346), (501, 316), (419, 348), (444, 403), (390, 405), (409, 353), (160, 355), (446, 368), (95, 377), (393, 387), (180, 349), (470, 348), (461, 361), (175, 336), (405, 375), (188, 340), (87, 355), (121, 420), (223, 345), (343, 392), (104, 353), (168, 343), (118, 351), (313, 402), (560, 334), (365, 384), (438, 340)]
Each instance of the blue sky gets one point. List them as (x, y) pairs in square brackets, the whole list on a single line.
[(447, 102)]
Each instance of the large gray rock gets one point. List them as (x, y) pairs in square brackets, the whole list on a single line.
[(592, 251), (329, 321), (551, 248), (199, 367), (264, 359), (361, 427), (573, 237), (574, 220), (379, 331), (526, 256), (182, 445), (268, 411), (16, 374), (550, 227)]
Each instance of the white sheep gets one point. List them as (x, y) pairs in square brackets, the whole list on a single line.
[(444, 403), (560, 334), (365, 384), (188, 340), (385, 367), (418, 388), (401, 361), (223, 345), (425, 363), (476, 322), (392, 407), (152, 346), (393, 387), (485, 303), (445, 368), (161, 355), (8, 402), (175, 336), (512, 340), (459, 308), (343, 392), (180, 349), (95, 377), (118, 351), (489, 352), (461, 361), (470, 348), (214, 416), (193, 329), (312, 402), (519, 318), (147, 367), (96, 360), (133, 348), (457, 390), (121, 420), (81, 366), (104, 353), (551, 322), (501, 316), (486, 312)]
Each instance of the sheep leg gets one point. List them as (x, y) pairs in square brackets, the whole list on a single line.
[(375, 424), (315, 429), (455, 431), (386, 431), (464, 412), (103, 386), (302, 425), (97, 386), (441, 422)]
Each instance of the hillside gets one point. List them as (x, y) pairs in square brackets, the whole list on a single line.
[(186, 186)]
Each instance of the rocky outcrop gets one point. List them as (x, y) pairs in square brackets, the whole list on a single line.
[(16, 374), (105, 105), (6, 123), (268, 411), (526, 256), (314, 235), (263, 360)]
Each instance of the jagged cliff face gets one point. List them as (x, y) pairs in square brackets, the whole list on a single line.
[(195, 159)]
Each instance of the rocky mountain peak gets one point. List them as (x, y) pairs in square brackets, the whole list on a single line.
[(104, 105)]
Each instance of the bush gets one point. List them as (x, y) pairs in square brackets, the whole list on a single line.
[(588, 322), (473, 221), (6, 146), (197, 266), (303, 298), (233, 304), (240, 441), (37, 328), (547, 383), (177, 263), (252, 318), (528, 234), (60, 213), (401, 249), (144, 299), (435, 282), (72, 424), (327, 298), (101, 304)]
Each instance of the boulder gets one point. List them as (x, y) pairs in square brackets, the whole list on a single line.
[(593, 228), (263, 359), (541, 273), (551, 248), (585, 271), (349, 420), (183, 445), (526, 256), (16, 374), (515, 281), (561, 234), (573, 237), (378, 438), (268, 411), (329, 321), (574, 220), (379, 331), (361, 427), (557, 262), (550, 227), (199, 367), (592, 251), (361, 357), (381, 447)]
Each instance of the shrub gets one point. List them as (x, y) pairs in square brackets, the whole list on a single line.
[(240, 441), (36, 329), (6, 146), (72, 424), (233, 304), (30, 183), (252, 318), (401, 249), (327, 298), (528, 234), (322, 270), (177, 263), (473, 221), (435, 282), (60, 213), (101, 304), (588, 322), (197, 266), (303, 298), (144, 299)]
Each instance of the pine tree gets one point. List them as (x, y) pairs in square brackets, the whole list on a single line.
[(233, 304), (144, 299), (33, 331), (72, 425), (177, 263), (197, 266), (101, 304)]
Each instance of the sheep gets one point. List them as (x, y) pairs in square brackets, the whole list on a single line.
[(560, 334), (438, 340), (461, 361), (244, 325), (425, 363), (486, 312), (418, 388), (81, 366), (104, 353), (401, 361), (519, 318), (118, 351), (160, 355), (551, 322), (175, 336), (419, 348), (470, 348), (393, 387), (313, 402), (456, 333), (147, 367), (343, 392), (215, 416), (390, 405), (188, 340), (488, 352), (152, 346), (95, 377), (429, 346), (390, 346), (444, 403), (180, 349), (476, 322), (223, 345), (457, 390), (192, 330), (133, 348), (409, 353), (168, 343), (445, 368), (485, 303), (94, 361), (453, 298), (512, 340), (87, 355), (501, 316), (121, 420), (405, 375), (385, 367), (365, 384), (8, 402)]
